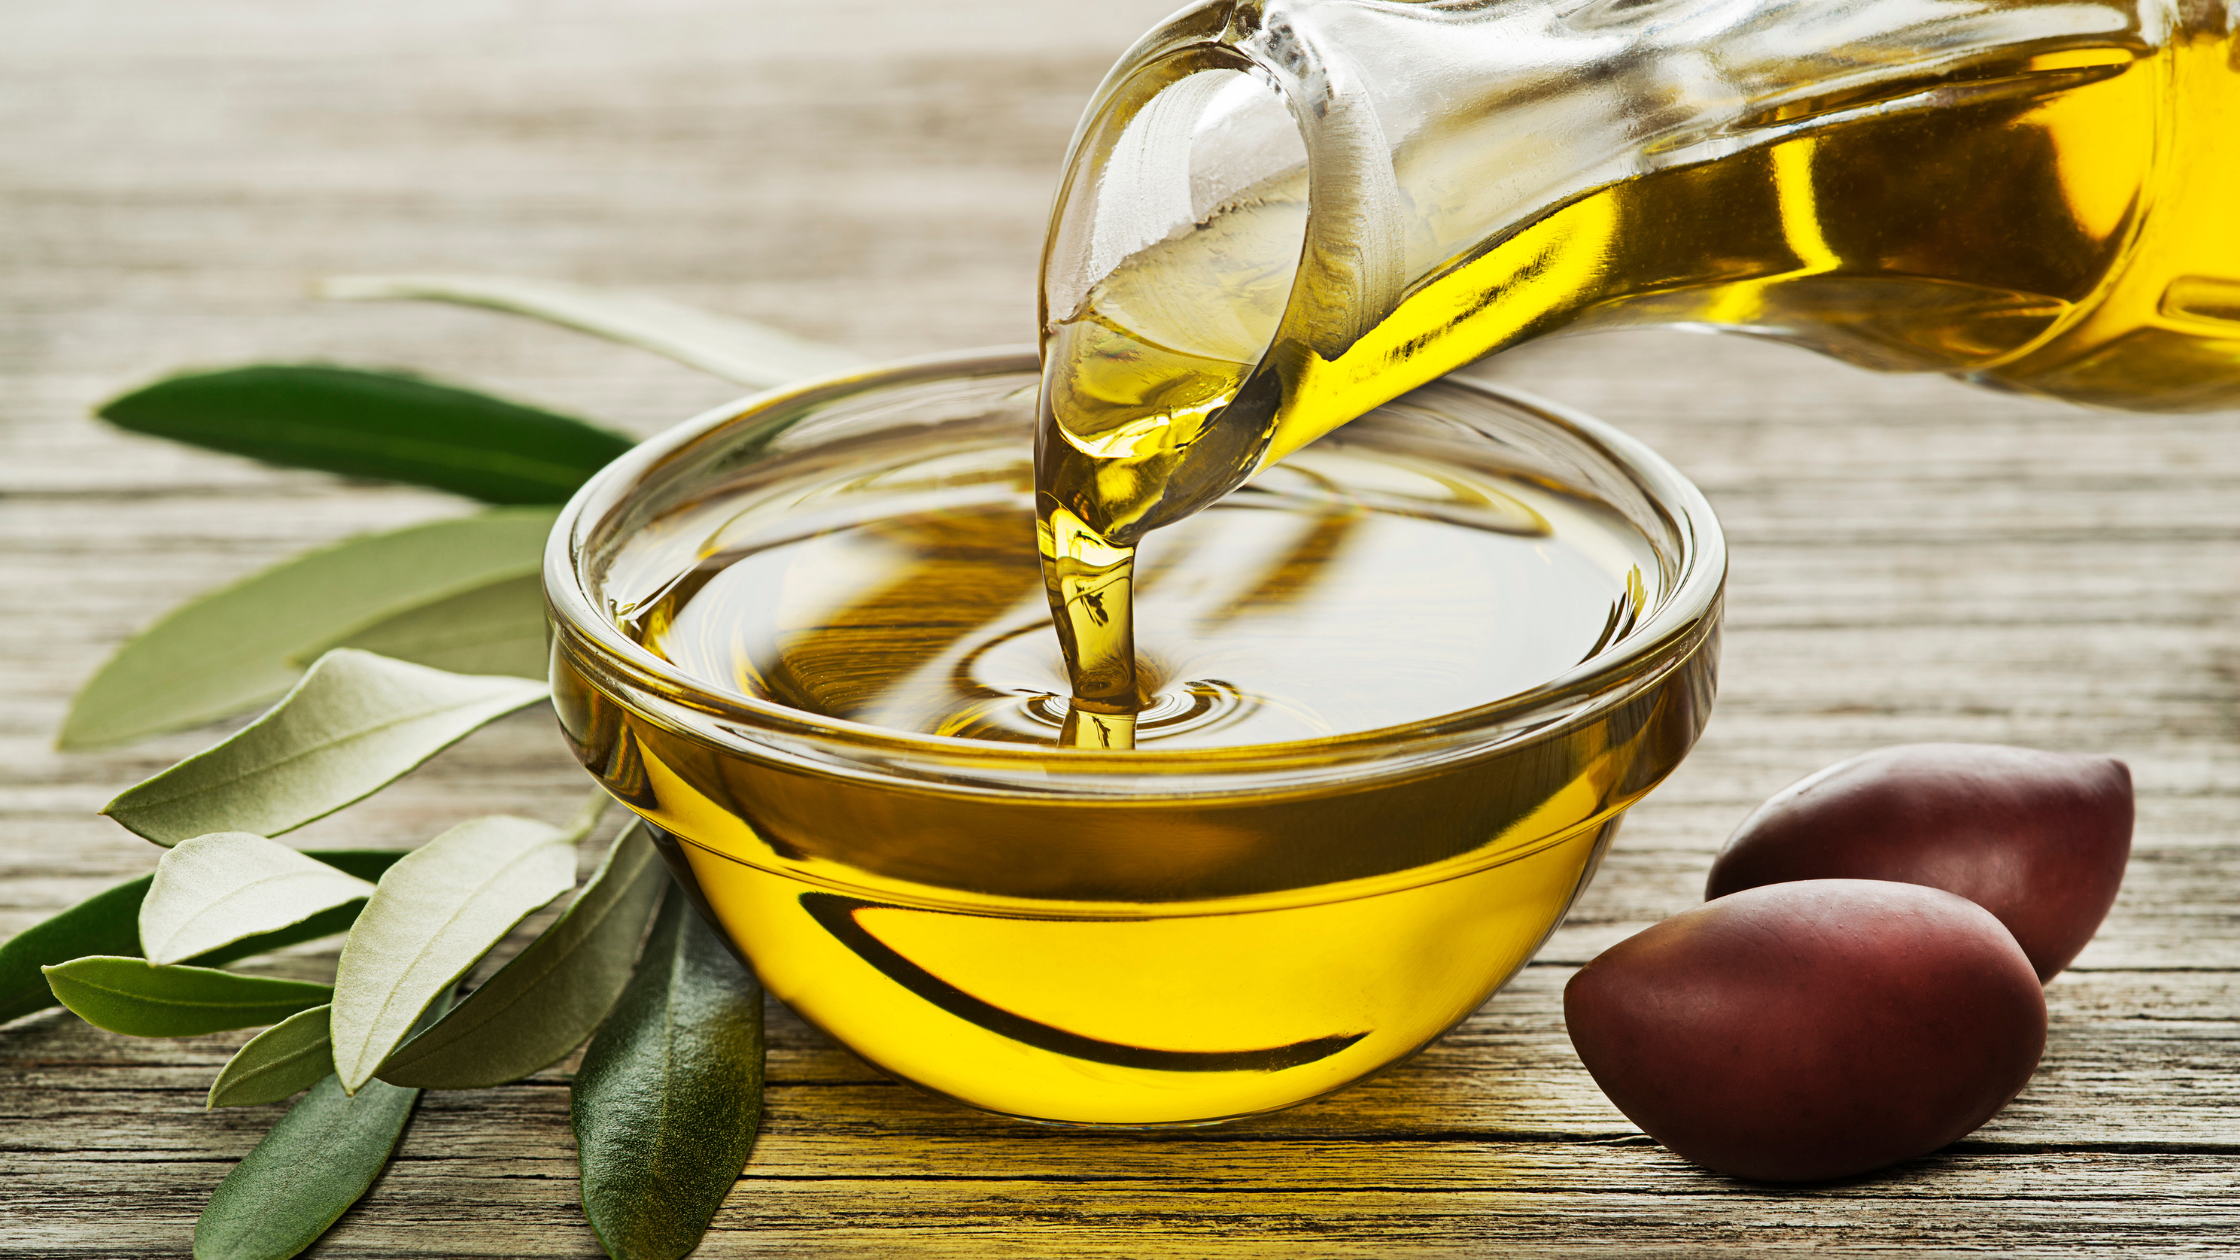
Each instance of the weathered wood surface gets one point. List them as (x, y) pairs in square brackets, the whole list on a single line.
[(1912, 560)]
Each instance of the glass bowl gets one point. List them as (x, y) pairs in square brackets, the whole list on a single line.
[(1146, 938)]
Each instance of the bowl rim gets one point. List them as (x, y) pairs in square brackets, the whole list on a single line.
[(1673, 631)]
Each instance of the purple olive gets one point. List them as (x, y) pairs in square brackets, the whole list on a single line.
[(2037, 838), (1813, 1029)]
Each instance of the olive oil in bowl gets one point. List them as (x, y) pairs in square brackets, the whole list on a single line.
[(1394, 696)]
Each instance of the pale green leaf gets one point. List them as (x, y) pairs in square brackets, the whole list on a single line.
[(666, 1104), (553, 994), (497, 628), (213, 890), (722, 345), (436, 913), (136, 998), (240, 646), (282, 1060), (354, 724), (109, 923)]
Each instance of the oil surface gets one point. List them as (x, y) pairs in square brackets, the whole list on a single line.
[(1347, 590)]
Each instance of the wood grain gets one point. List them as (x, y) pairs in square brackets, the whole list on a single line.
[(1912, 560)]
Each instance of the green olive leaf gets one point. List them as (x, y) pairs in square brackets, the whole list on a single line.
[(321, 1158), (109, 923), (553, 994), (435, 914), (237, 647), (354, 724), (213, 890), (139, 999), (283, 1060), (495, 628), (669, 1096), (106, 923), (721, 345), (384, 425)]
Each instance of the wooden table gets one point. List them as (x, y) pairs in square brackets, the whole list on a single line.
[(1913, 560)]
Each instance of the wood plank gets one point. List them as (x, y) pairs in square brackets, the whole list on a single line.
[(2131, 1060), (1498, 1122), (1911, 560)]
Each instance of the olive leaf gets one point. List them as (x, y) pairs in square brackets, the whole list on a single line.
[(139, 999), (355, 723), (495, 628), (282, 1060), (321, 1158), (432, 917), (384, 425), (721, 345), (666, 1104), (109, 923), (317, 1161), (241, 645), (552, 995), (365, 864), (106, 923), (213, 890)]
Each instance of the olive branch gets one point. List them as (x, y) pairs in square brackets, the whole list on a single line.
[(376, 654)]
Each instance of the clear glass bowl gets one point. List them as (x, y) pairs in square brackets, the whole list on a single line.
[(1138, 938)]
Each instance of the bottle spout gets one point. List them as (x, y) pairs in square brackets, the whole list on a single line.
[(1174, 246), (1230, 192)]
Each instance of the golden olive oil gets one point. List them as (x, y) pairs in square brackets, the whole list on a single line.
[(1196, 946)]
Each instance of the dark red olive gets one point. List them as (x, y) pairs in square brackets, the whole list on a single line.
[(2037, 838), (1813, 1029)]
